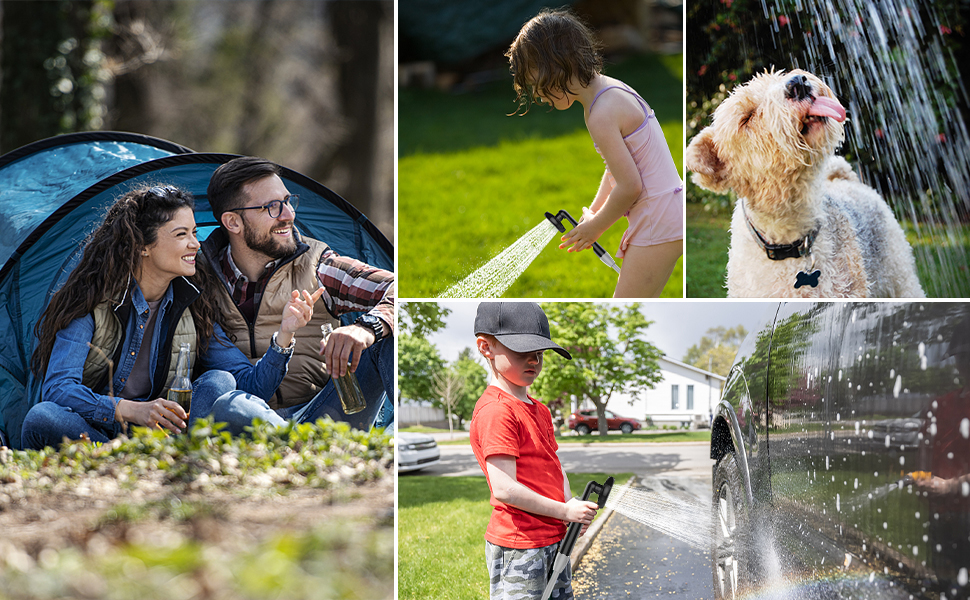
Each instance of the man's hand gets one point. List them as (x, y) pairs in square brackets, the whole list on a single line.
[(155, 414), (345, 346), (297, 313)]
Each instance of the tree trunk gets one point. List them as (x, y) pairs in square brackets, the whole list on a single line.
[(356, 30)]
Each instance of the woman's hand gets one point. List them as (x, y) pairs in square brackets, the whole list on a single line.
[(296, 314), (155, 414), (584, 235)]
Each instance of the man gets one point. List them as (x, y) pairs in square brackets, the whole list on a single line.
[(261, 261)]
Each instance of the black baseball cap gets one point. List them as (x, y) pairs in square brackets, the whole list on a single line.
[(520, 326)]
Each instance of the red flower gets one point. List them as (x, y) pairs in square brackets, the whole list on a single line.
[(941, 138), (733, 77), (783, 20), (945, 30), (879, 134), (702, 70)]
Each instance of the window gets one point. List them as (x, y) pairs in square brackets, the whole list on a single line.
[(690, 397), (674, 397)]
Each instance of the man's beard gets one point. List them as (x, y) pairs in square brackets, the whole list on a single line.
[(265, 244)]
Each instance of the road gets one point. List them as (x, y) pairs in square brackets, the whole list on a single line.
[(625, 558), (645, 460)]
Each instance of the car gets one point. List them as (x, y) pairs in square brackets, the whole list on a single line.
[(823, 477), (416, 451), (584, 421)]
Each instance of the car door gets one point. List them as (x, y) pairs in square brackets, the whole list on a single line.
[(862, 399)]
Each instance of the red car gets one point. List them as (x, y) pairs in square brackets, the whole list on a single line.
[(585, 421)]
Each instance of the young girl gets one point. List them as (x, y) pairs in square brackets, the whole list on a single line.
[(555, 60)]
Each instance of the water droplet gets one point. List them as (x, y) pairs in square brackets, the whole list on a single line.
[(887, 441), (898, 386), (915, 550), (855, 485), (840, 374), (857, 428), (838, 503), (962, 576), (965, 489), (838, 416), (965, 428), (902, 460), (917, 514)]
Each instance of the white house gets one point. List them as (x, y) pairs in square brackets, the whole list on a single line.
[(685, 395)]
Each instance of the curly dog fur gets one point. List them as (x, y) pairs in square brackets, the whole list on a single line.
[(773, 142)]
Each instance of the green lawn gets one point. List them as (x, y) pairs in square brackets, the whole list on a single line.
[(472, 181), (441, 528), (707, 246)]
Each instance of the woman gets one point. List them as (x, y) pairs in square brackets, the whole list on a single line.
[(109, 337)]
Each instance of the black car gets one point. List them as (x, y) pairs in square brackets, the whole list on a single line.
[(842, 449)]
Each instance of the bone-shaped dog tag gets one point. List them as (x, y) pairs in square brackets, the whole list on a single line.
[(803, 278)]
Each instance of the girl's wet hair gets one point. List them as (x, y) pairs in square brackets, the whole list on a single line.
[(551, 49)]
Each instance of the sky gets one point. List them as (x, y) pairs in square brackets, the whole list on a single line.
[(677, 325)]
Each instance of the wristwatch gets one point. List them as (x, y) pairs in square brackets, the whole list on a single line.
[(288, 350), (373, 323)]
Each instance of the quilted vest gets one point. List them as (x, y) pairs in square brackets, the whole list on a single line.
[(106, 343), (305, 375)]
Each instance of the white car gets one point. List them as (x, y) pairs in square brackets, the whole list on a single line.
[(416, 451)]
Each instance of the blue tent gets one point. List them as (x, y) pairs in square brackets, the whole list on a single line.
[(54, 192)]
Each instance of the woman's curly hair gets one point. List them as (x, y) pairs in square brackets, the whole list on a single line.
[(112, 255)]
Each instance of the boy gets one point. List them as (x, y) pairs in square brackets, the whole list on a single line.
[(513, 439)]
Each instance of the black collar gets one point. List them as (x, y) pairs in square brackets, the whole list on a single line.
[(796, 249)]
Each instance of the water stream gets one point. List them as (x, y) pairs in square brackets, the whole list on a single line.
[(686, 520), (492, 279), (890, 64)]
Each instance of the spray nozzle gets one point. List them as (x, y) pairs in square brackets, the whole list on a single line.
[(602, 491), (556, 219)]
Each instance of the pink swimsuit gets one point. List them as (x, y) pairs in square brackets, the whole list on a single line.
[(657, 216)]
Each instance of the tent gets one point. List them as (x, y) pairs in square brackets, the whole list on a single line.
[(54, 192)]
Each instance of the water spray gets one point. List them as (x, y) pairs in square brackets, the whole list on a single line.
[(556, 219), (572, 533)]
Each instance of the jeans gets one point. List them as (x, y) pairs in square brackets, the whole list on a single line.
[(375, 373), (48, 423)]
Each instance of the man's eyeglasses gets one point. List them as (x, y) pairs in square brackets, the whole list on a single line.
[(275, 208)]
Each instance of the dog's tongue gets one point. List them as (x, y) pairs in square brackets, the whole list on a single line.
[(827, 107)]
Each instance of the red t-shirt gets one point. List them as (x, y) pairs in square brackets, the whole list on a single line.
[(502, 424)]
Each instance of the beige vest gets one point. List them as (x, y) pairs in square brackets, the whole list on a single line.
[(305, 375), (108, 332)]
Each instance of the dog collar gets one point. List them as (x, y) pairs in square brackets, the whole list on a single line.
[(796, 249)]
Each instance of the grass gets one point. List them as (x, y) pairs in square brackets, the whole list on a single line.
[(472, 181), (441, 524), (156, 516), (941, 257), (707, 244)]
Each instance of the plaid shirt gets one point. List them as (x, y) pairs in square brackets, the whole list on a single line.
[(349, 285)]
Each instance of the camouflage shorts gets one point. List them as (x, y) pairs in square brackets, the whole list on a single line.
[(521, 574)]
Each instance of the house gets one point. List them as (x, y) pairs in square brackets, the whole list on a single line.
[(685, 396)]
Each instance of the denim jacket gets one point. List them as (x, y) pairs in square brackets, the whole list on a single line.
[(62, 383)]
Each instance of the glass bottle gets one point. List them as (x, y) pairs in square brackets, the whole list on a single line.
[(180, 388), (348, 388)]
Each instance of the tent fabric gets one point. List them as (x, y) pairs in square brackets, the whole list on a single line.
[(49, 242)]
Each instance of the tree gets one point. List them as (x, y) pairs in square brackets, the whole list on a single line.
[(716, 350), (417, 362), (609, 355), (475, 377), (53, 69), (422, 318)]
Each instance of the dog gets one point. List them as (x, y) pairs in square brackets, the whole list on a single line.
[(803, 225)]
